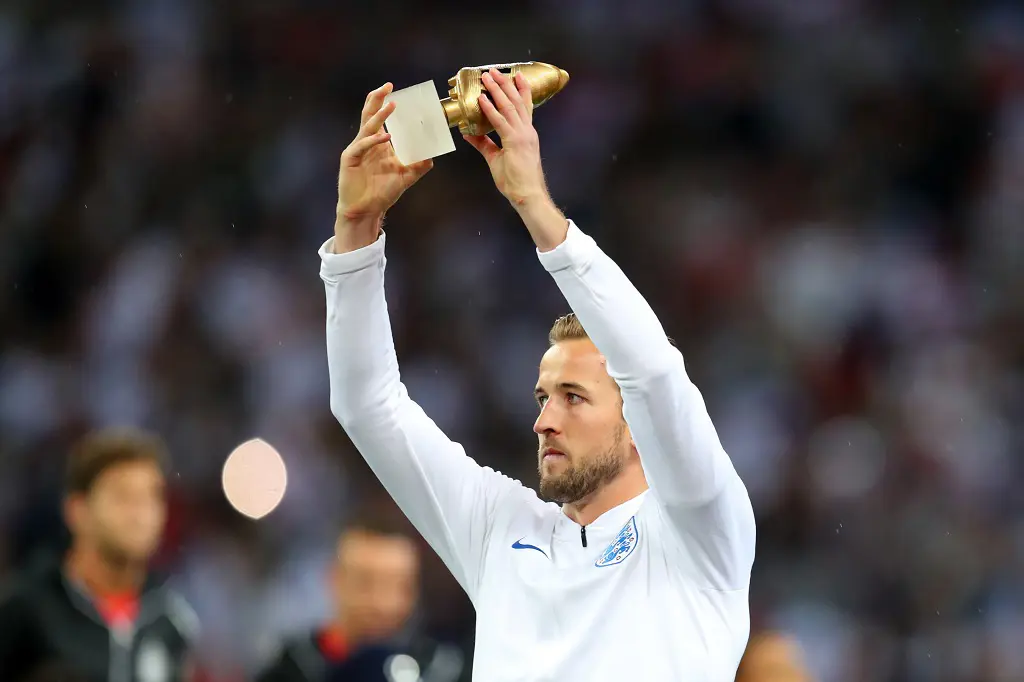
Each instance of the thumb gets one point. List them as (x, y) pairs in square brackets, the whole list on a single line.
[(416, 171), (420, 168), (484, 145)]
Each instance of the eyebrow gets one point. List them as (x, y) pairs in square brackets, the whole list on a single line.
[(564, 386)]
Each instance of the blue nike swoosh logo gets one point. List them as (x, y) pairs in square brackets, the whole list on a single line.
[(518, 544)]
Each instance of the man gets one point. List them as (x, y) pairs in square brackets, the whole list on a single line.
[(773, 657), (98, 615), (374, 585), (611, 581)]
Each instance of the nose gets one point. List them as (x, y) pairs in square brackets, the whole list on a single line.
[(547, 420)]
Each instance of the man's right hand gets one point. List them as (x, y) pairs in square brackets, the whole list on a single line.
[(371, 178)]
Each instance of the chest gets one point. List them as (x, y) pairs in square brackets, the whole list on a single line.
[(541, 597), (619, 608), (151, 651)]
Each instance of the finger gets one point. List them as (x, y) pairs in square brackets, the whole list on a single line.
[(374, 100), (499, 97), (375, 123), (491, 113), (526, 93), (357, 149), (484, 145), (508, 87)]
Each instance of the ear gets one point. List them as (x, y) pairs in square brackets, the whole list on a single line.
[(74, 511)]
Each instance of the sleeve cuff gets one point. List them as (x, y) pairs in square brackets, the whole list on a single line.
[(575, 252), (338, 264)]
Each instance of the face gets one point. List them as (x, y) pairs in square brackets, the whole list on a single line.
[(124, 513), (376, 583), (583, 440)]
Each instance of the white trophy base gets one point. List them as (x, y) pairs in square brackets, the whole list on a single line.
[(419, 129)]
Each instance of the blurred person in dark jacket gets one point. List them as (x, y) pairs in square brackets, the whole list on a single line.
[(374, 586), (773, 656), (100, 615)]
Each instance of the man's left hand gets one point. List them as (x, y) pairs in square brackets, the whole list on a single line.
[(515, 165)]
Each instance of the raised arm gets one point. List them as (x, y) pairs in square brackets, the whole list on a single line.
[(447, 496), (690, 475)]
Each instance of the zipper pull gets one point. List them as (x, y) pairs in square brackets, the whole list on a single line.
[(583, 535)]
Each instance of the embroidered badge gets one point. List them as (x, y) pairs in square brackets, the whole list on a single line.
[(621, 547)]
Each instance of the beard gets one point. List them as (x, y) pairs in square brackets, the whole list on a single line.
[(115, 555), (118, 555), (579, 481)]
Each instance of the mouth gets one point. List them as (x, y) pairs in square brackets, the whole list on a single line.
[(551, 453)]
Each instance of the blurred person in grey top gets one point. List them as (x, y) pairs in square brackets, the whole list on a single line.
[(100, 615)]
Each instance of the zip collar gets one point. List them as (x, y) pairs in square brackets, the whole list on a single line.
[(152, 599), (603, 528)]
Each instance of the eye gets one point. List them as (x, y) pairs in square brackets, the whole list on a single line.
[(541, 399), (573, 398)]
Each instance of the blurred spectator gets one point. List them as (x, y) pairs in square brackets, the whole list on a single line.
[(374, 587), (99, 613)]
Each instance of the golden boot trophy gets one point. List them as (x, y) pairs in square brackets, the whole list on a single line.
[(462, 107), (420, 124)]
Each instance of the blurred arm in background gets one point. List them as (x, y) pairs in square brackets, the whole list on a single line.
[(773, 657)]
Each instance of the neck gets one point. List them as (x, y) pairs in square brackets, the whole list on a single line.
[(99, 575), (622, 489), (344, 627)]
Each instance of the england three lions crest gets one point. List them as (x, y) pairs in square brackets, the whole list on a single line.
[(621, 547)]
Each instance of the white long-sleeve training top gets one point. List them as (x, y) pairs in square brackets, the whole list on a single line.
[(660, 592)]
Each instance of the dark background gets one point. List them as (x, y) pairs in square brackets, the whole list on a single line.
[(823, 201)]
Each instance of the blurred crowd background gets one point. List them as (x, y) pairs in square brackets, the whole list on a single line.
[(823, 201)]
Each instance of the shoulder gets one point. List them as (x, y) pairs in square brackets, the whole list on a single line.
[(657, 528), (711, 544), (521, 508), (440, 661), (518, 500), (181, 614), (509, 490), (297, 645), (22, 592), (287, 660), (15, 596), (24, 608), (296, 656)]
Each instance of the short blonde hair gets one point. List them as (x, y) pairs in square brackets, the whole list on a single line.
[(569, 328)]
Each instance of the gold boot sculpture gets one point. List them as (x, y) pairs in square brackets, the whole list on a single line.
[(462, 108)]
